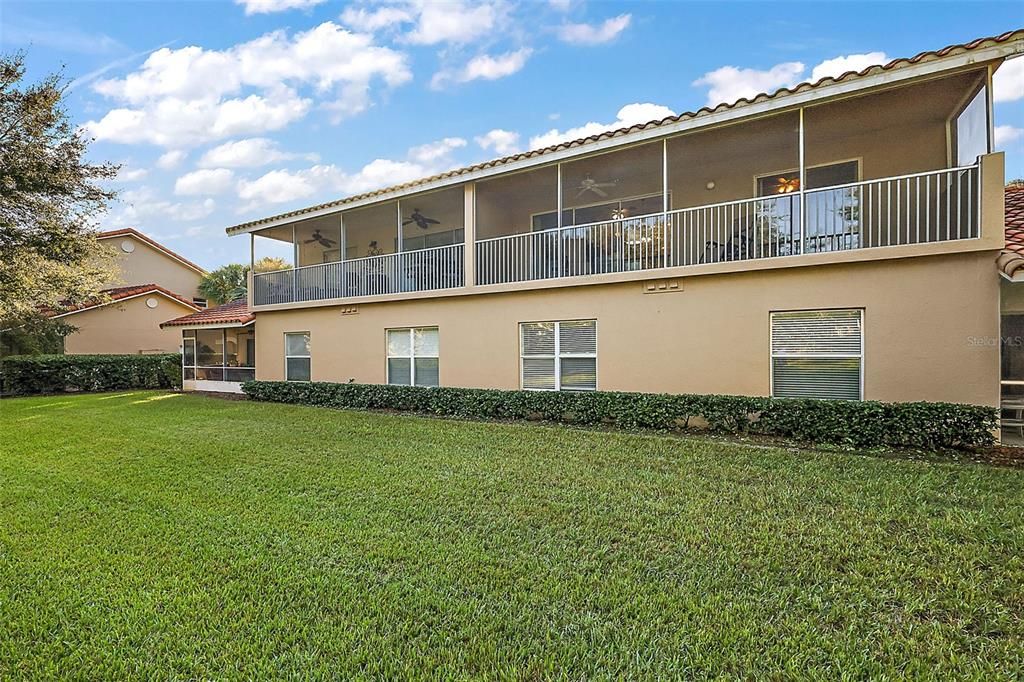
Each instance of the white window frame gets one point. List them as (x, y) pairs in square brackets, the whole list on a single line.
[(814, 356), (411, 357), (288, 357), (557, 357)]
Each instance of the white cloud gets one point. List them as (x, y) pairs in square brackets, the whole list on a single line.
[(560, 5), (837, 66), (503, 142), (1007, 134), (589, 34), (434, 151), (127, 173), (192, 95), (484, 67), (729, 83), (383, 173), (631, 114), (205, 181), (248, 153), (171, 159), (280, 186), (137, 207), (370, 21), (283, 186), (454, 21), (1008, 82), (173, 121), (269, 6)]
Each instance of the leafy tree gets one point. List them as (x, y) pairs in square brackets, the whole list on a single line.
[(50, 201), (33, 334), (270, 264), (225, 284)]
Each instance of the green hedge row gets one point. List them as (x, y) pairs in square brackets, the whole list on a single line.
[(864, 424), (33, 374)]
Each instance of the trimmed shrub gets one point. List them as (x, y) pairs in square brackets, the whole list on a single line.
[(864, 424), (33, 374)]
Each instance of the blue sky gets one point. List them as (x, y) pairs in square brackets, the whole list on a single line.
[(227, 111)]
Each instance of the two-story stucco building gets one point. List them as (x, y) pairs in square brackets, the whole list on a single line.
[(836, 239), (152, 283)]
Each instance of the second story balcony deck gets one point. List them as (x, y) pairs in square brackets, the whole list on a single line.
[(874, 172)]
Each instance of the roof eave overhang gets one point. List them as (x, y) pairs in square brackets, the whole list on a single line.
[(115, 234), (153, 292), (208, 325), (939, 65)]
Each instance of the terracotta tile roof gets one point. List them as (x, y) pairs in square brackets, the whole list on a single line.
[(236, 312), (689, 115), (1011, 260), (119, 294), (131, 232)]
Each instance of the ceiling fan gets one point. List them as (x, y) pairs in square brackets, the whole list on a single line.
[(589, 184), (322, 240), (422, 221)]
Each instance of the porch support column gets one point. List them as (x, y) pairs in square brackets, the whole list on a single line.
[(469, 222), (295, 265), (558, 248), (803, 183), (342, 279), (990, 112), (342, 247), (664, 204), (398, 205), (251, 276)]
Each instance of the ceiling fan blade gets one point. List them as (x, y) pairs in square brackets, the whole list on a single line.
[(310, 241), (408, 222), (598, 191), (582, 192), (604, 184), (432, 221)]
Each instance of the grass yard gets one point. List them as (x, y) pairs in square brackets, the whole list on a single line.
[(161, 535)]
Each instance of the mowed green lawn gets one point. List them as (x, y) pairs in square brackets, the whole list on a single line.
[(160, 535)]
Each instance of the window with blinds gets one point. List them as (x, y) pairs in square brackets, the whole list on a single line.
[(817, 354), (297, 356), (413, 356), (559, 356)]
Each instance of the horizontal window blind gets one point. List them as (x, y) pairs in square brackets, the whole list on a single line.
[(559, 356), (577, 337), (297, 357), (413, 356), (817, 354)]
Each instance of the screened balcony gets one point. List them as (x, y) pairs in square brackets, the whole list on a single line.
[(891, 168), (887, 169), (416, 244)]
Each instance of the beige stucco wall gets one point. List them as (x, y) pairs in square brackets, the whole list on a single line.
[(923, 320), (147, 265), (128, 326)]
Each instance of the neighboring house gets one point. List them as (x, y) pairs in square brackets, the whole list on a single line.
[(836, 239), (153, 284)]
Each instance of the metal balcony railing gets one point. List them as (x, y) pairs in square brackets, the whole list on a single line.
[(911, 209), (920, 208), (422, 270)]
